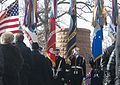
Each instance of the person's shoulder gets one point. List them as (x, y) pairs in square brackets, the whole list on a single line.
[(0, 44), (14, 47), (60, 57), (71, 57), (80, 56), (27, 48)]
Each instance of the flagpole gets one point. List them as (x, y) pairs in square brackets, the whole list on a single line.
[(117, 80)]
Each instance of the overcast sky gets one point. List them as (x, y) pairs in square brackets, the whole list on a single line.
[(65, 20)]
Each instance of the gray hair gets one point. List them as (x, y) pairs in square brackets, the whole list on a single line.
[(7, 37)]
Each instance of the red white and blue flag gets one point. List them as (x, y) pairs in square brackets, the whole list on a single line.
[(9, 20)]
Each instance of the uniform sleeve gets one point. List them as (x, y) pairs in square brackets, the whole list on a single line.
[(91, 62)]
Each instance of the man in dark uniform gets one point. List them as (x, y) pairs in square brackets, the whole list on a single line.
[(59, 69), (78, 67)]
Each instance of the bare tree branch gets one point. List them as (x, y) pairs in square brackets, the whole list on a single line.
[(62, 14)]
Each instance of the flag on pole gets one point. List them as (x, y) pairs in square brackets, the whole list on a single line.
[(28, 36), (98, 22), (51, 44), (30, 18), (72, 29), (114, 12), (9, 21), (112, 31), (113, 25)]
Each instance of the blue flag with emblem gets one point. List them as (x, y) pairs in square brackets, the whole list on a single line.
[(98, 22)]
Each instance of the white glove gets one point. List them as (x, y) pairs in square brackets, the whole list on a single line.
[(62, 79), (84, 79)]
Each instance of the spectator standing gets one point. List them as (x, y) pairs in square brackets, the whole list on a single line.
[(26, 53), (39, 70), (13, 60)]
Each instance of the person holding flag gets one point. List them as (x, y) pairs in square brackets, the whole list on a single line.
[(99, 20), (59, 69), (78, 68)]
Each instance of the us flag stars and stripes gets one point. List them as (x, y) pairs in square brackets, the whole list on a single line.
[(10, 19)]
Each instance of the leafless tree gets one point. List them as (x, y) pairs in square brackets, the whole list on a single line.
[(44, 11)]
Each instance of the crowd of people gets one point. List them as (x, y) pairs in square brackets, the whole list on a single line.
[(103, 69), (19, 65)]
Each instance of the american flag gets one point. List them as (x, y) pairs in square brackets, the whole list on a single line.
[(10, 20)]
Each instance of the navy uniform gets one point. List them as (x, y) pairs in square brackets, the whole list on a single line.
[(59, 70), (78, 68), (67, 73), (96, 72)]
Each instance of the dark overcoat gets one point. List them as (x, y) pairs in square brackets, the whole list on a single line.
[(13, 62)]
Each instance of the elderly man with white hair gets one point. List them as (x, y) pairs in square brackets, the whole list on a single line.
[(12, 60)]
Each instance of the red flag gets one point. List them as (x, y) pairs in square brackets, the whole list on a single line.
[(52, 41), (51, 45)]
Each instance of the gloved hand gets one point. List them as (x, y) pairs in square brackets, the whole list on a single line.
[(84, 81), (84, 78), (62, 79)]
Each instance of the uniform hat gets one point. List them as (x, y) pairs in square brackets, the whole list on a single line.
[(35, 45)]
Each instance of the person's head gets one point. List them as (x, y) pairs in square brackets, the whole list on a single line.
[(7, 37), (57, 51), (19, 37), (35, 46), (76, 51)]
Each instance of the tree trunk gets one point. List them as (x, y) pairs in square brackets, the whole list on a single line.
[(117, 82), (46, 25)]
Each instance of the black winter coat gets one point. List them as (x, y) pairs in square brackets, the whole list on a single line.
[(39, 69), (26, 70), (26, 53), (13, 62)]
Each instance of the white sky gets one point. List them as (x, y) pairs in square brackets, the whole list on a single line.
[(66, 18)]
